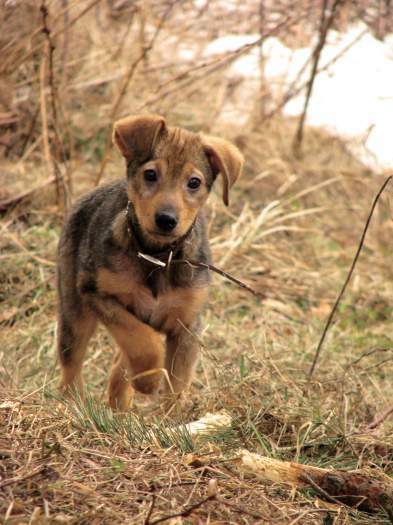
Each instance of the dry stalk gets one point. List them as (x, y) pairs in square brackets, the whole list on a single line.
[(187, 511), (380, 419), (8, 203), (325, 26), (348, 278), (65, 50), (61, 188), (44, 119), (11, 61)]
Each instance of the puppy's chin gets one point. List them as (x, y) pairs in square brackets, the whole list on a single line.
[(160, 239), (152, 242)]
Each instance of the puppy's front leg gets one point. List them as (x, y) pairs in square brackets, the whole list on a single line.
[(182, 350), (141, 356)]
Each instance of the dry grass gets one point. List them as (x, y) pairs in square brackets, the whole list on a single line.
[(291, 232)]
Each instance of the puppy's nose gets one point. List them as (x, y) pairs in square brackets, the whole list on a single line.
[(166, 220)]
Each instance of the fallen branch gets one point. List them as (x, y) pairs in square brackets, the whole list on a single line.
[(352, 488)]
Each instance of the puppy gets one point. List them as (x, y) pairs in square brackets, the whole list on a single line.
[(108, 252)]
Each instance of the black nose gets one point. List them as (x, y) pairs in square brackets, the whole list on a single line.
[(166, 220)]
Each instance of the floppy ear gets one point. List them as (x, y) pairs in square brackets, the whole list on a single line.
[(135, 136), (223, 158)]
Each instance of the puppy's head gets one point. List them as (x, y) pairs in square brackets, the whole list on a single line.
[(170, 174)]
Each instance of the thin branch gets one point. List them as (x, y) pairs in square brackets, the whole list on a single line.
[(294, 90), (227, 275), (59, 151), (198, 264), (348, 278), (209, 67), (380, 419), (16, 199), (183, 513), (150, 511), (323, 32), (10, 63)]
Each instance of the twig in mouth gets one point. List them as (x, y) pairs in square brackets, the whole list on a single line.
[(198, 264)]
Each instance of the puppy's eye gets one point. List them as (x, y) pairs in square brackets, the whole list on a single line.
[(150, 175), (194, 183)]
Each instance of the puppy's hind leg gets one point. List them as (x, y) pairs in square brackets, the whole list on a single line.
[(72, 339)]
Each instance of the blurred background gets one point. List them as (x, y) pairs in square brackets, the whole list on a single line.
[(69, 68)]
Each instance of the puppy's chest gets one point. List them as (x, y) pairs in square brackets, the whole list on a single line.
[(163, 309)]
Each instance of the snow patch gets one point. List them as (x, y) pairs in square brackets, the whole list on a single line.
[(352, 96)]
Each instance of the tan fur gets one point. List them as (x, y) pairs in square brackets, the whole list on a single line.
[(135, 136), (120, 392), (164, 311), (143, 352)]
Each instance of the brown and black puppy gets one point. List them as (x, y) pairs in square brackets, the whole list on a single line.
[(156, 211)]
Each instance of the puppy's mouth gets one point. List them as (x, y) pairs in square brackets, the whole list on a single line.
[(163, 235)]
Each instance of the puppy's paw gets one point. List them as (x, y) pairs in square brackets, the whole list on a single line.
[(71, 391), (120, 400), (148, 382)]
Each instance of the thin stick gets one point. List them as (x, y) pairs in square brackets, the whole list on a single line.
[(222, 273), (16, 199), (325, 25), (150, 511), (17, 479), (198, 264), (380, 419), (59, 150), (184, 513), (340, 295)]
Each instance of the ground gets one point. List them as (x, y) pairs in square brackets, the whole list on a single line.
[(81, 464), (291, 232)]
